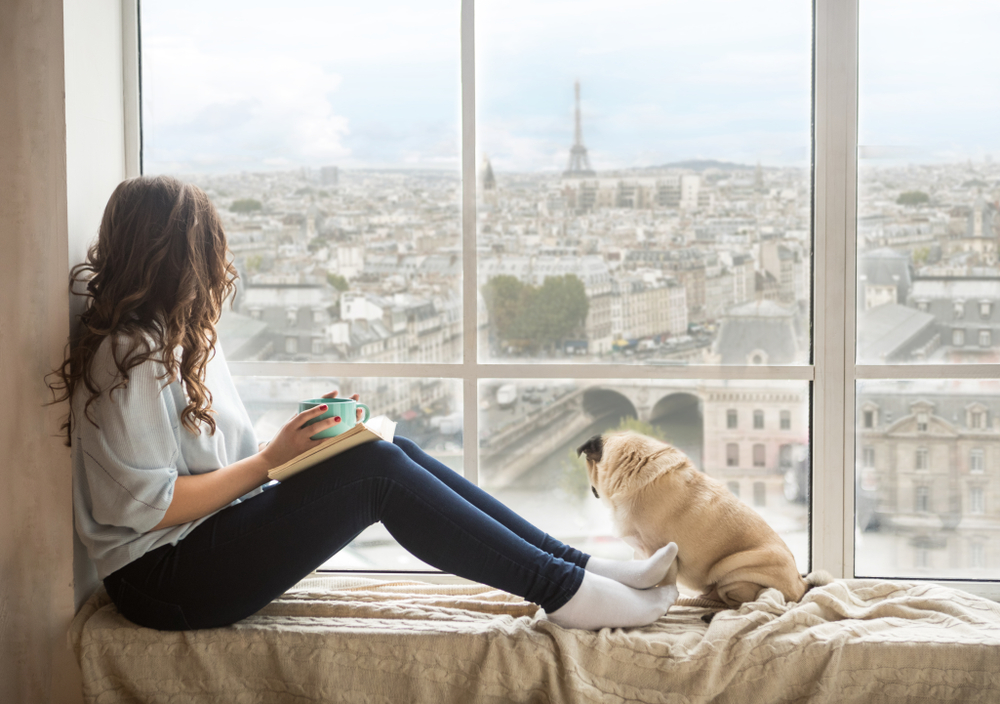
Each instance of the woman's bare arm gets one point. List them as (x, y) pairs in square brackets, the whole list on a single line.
[(198, 495)]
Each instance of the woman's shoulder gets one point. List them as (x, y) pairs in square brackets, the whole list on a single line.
[(116, 354)]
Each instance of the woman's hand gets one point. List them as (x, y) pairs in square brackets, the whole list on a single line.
[(356, 397), (294, 438)]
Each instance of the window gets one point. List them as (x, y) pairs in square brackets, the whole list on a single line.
[(758, 455), (921, 461), (985, 309), (759, 494), (985, 338), (732, 455), (758, 420), (922, 499), (868, 457), (786, 420), (734, 488), (976, 461), (691, 273), (922, 420), (976, 501), (432, 260)]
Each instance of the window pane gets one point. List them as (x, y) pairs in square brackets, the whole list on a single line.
[(928, 221), (428, 411), (644, 189), (530, 430), (327, 136), (926, 499)]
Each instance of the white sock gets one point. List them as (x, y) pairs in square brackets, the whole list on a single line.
[(638, 574), (604, 603)]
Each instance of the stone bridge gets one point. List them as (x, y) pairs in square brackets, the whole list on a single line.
[(516, 448)]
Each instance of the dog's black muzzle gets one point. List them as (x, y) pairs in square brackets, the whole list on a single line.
[(594, 449)]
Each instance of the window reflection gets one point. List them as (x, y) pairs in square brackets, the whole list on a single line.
[(928, 479)]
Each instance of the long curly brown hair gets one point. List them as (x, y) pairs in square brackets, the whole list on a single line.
[(156, 279)]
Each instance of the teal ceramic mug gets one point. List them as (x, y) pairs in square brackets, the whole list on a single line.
[(345, 409)]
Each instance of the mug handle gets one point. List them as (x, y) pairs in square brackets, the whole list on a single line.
[(368, 413)]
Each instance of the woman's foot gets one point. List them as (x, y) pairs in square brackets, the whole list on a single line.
[(601, 602), (638, 574)]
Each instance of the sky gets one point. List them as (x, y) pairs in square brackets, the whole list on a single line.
[(233, 86)]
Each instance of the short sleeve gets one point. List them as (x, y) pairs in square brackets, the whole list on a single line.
[(130, 457)]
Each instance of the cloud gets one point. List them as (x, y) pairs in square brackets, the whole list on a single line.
[(227, 109), (256, 84)]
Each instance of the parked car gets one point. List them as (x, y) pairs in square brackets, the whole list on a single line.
[(506, 395)]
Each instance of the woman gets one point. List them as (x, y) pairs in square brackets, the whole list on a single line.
[(168, 474)]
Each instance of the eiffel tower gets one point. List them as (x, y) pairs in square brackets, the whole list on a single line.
[(579, 163)]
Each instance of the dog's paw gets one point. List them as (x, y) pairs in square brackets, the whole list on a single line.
[(819, 578)]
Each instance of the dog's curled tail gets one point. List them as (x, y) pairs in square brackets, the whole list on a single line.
[(818, 578)]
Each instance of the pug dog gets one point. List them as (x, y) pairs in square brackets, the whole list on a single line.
[(726, 551)]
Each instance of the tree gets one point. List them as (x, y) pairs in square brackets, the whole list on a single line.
[(245, 205), (253, 263), (912, 198), (505, 298), (560, 308), (337, 281), (536, 317)]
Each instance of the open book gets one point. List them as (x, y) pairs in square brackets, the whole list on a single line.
[(377, 428)]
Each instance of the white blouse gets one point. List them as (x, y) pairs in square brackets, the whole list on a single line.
[(124, 468)]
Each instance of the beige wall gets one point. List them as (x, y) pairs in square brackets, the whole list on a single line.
[(36, 545), (61, 154)]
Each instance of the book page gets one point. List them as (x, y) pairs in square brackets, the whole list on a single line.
[(378, 428)]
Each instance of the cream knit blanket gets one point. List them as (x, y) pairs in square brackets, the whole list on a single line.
[(331, 640)]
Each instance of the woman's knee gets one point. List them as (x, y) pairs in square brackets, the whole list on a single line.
[(406, 445), (387, 458)]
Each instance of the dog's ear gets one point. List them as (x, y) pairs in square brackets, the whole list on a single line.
[(593, 448)]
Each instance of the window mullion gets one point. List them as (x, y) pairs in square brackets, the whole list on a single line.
[(835, 165), (132, 120), (470, 318)]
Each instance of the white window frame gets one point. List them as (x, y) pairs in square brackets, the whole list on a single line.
[(833, 372)]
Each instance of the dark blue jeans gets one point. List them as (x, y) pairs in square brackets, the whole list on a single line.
[(244, 556)]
